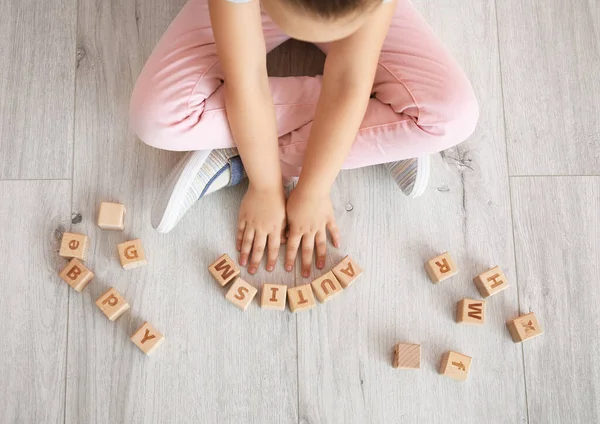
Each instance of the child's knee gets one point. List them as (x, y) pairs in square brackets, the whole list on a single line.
[(459, 111)]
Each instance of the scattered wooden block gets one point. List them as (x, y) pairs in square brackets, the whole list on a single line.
[(301, 298), (524, 327), (326, 287), (441, 268), (273, 297), (347, 271), (455, 365), (491, 282), (470, 311), (74, 245), (224, 270), (241, 294), (112, 304), (407, 356), (147, 338), (132, 254), (111, 216), (76, 275)]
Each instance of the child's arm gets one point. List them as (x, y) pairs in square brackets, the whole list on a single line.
[(241, 49), (347, 82)]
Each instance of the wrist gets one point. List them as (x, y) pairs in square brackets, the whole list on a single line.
[(309, 187)]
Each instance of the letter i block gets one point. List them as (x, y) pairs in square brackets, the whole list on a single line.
[(76, 275), (112, 304), (347, 272), (326, 287), (469, 311), (74, 246), (132, 254), (441, 268), (407, 356), (273, 297), (455, 365), (224, 270), (491, 282), (301, 298), (241, 294), (147, 338), (111, 216), (524, 328)]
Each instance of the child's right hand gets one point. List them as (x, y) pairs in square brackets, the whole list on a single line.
[(261, 224)]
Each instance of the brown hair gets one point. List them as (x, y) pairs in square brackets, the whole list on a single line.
[(333, 8)]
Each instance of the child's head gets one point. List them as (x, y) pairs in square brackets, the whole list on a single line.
[(319, 20)]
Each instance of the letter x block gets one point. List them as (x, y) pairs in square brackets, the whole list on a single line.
[(470, 311), (455, 365), (407, 356), (524, 328), (74, 245), (147, 338), (441, 268), (301, 298), (76, 275), (112, 304), (241, 294), (111, 216), (326, 287), (132, 254), (347, 272), (491, 282), (273, 297), (224, 270)]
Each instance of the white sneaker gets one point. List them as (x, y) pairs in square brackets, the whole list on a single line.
[(411, 175)]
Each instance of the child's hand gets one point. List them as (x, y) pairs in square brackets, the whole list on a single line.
[(261, 223), (309, 215)]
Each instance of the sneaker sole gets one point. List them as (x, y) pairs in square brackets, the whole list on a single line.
[(422, 179)]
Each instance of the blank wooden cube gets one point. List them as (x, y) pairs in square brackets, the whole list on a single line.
[(301, 298), (74, 245), (455, 365), (441, 268), (76, 275), (326, 287), (273, 296), (241, 294), (112, 304), (147, 338), (407, 356), (470, 311), (224, 270), (132, 254), (111, 216), (524, 327), (491, 282), (347, 272)]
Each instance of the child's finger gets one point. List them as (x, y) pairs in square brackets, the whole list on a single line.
[(258, 249), (246, 245), (308, 247), (273, 245), (291, 250), (321, 245), (240, 235), (335, 232)]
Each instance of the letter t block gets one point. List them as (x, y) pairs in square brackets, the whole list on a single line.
[(241, 294)]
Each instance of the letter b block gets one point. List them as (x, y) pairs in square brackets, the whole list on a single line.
[(76, 275), (491, 282), (273, 297), (74, 246), (241, 294), (131, 254), (147, 338), (326, 287), (441, 268), (301, 298), (469, 311), (224, 270), (112, 304)]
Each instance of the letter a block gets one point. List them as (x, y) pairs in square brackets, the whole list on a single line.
[(132, 254), (301, 298), (74, 246), (111, 216), (224, 270), (347, 272), (524, 328), (273, 297), (491, 282), (76, 275), (441, 268), (241, 294), (455, 365), (469, 311), (326, 287), (407, 356), (147, 338), (112, 304)]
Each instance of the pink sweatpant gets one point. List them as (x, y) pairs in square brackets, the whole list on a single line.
[(423, 102)]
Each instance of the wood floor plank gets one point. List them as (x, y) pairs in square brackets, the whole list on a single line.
[(557, 229), (550, 54), (34, 301)]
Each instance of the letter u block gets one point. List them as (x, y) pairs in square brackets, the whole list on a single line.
[(241, 294), (326, 287), (224, 270), (131, 254)]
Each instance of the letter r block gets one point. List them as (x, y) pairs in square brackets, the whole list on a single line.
[(224, 270), (241, 294), (112, 304), (347, 272), (76, 275), (326, 287), (131, 254), (441, 268), (273, 296), (491, 282), (147, 338)]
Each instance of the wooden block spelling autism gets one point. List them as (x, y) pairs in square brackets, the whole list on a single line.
[(132, 254), (301, 298), (347, 271), (441, 268), (241, 294), (524, 327), (111, 216), (470, 311), (407, 356), (455, 365), (224, 270), (74, 245), (76, 275), (147, 338), (112, 304), (326, 287), (273, 297), (491, 282)]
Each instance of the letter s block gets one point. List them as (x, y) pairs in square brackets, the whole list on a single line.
[(76, 275), (147, 338), (74, 245), (131, 254), (241, 294), (112, 304), (441, 268)]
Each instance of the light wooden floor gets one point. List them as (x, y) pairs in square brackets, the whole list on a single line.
[(523, 193)]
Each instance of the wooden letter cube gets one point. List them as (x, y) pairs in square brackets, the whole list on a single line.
[(455, 365), (224, 270), (347, 272), (301, 298), (111, 216), (112, 304), (74, 245), (76, 275), (241, 294), (491, 282), (326, 287), (524, 327), (132, 254), (273, 296), (441, 268), (147, 338), (407, 356), (469, 311)]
